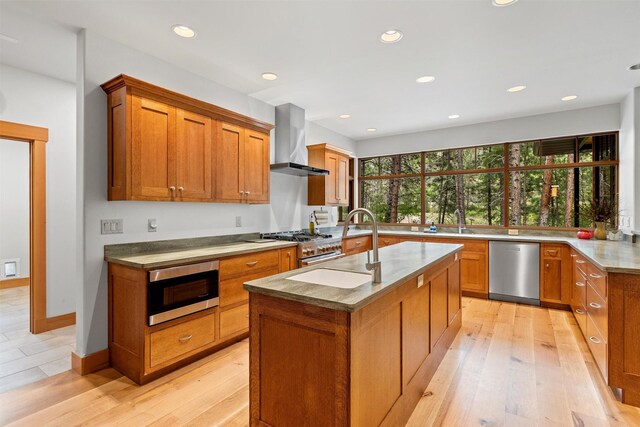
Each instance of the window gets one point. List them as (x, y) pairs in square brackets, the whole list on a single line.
[(539, 183)]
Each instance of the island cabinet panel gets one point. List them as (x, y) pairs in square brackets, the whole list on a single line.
[(165, 146), (439, 306), (454, 299), (317, 366)]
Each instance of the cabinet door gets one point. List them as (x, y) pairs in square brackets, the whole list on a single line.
[(193, 156), (256, 166), (439, 306), (415, 330), (342, 181), (473, 272), (551, 286), (288, 259), (331, 163), (454, 291), (229, 163), (153, 166)]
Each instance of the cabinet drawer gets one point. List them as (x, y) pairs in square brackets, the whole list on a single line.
[(388, 241), (549, 251), (234, 321), (598, 347), (356, 244), (232, 291), (598, 311), (247, 264), (598, 279), (182, 338), (581, 318), (580, 289)]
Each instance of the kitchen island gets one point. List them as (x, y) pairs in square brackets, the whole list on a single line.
[(326, 355)]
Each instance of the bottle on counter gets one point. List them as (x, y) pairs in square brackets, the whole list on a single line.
[(432, 228), (312, 225)]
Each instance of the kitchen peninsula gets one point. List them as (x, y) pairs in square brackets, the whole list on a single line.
[(324, 354)]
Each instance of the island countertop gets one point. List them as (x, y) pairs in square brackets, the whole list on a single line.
[(399, 263)]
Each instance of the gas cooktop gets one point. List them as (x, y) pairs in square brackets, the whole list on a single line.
[(295, 236)]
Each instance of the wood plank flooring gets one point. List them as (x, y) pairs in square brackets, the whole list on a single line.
[(510, 365), (24, 357)]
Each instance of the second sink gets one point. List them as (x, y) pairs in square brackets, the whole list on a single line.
[(334, 278)]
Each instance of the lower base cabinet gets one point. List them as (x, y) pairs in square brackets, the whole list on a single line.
[(316, 366), (143, 352)]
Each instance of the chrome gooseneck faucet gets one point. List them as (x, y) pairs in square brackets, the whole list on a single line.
[(461, 226), (375, 265)]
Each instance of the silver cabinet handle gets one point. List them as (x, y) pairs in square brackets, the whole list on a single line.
[(181, 189), (185, 339), (580, 284), (595, 305), (579, 261), (595, 340), (573, 255), (247, 192), (252, 263), (172, 188), (595, 276), (579, 311)]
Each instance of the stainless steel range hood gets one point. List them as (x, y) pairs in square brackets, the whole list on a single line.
[(291, 149)]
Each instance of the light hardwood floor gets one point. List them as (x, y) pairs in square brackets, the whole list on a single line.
[(510, 365), (26, 358)]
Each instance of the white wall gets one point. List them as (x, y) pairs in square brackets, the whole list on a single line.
[(42, 101), (572, 122), (628, 176), (101, 59), (14, 204)]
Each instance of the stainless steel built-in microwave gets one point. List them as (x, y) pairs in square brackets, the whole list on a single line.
[(177, 291)]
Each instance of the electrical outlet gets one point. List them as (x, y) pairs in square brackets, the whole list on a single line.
[(111, 226), (238, 221), (152, 225), (415, 228), (513, 232), (420, 280)]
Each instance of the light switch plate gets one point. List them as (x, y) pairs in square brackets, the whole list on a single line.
[(513, 232), (413, 228), (111, 226)]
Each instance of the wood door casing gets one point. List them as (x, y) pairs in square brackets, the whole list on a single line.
[(153, 149), (229, 162), (194, 147), (256, 166)]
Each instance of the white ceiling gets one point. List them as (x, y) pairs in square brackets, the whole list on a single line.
[(330, 62)]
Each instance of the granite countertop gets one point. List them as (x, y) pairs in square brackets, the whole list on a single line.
[(189, 255), (399, 263), (611, 256)]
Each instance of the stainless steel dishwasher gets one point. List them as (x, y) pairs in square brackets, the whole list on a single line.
[(514, 272)]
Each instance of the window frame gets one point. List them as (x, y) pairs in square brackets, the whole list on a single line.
[(506, 169)]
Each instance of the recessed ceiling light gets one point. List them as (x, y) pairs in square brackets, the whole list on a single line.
[(454, 116), (269, 76), (425, 79), (516, 89), (501, 3), (345, 116), (8, 38), (635, 67), (371, 129), (184, 31), (569, 97), (390, 36)]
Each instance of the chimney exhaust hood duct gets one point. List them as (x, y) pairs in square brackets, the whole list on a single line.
[(291, 149)]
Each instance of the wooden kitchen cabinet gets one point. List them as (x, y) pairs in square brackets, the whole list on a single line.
[(356, 245), (242, 165), (332, 189), (555, 274), (165, 146), (143, 352), (288, 259)]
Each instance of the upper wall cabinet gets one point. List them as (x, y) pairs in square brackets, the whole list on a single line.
[(332, 189), (164, 146)]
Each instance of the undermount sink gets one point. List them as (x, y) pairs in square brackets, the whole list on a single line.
[(334, 278)]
